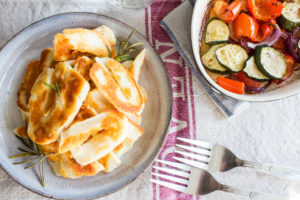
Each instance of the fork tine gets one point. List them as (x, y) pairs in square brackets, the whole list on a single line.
[(196, 156), (196, 142), (192, 163), (173, 171), (174, 164), (170, 185), (194, 149), (172, 178)]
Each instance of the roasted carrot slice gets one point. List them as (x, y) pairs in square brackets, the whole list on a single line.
[(231, 85)]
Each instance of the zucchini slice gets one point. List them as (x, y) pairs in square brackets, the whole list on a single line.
[(252, 71), (270, 62), (232, 57), (290, 16), (217, 32), (210, 61)]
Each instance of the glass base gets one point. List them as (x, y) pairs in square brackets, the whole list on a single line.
[(131, 4)]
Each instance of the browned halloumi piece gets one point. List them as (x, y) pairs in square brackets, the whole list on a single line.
[(50, 112), (67, 167), (82, 40), (117, 85), (108, 34), (21, 132), (97, 101), (114, 133), (84, 113), (47, 59), (83, 65), (112, 159), (136, 66), (51, 148), (110, 162), (32, 72), (80, 132)]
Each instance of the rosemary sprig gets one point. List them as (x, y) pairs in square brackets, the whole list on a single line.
[(108, 51), (124, 49), (53, 87), (34, 151)]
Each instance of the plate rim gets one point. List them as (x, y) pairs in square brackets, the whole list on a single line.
[(169, 116)]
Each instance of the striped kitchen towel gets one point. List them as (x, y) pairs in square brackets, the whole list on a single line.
[(178, 26)]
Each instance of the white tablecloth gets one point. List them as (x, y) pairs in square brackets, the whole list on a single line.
[(265, 132)]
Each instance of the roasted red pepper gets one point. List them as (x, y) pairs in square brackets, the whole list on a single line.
[(231, 85), (265, 10), (245, 25), (280, 44), (227, 12), (264, 31), (249, 82)]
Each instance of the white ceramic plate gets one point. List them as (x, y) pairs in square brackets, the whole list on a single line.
[(197, 29), (26, 46)]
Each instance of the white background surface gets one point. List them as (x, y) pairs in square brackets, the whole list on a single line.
[(265, 132)]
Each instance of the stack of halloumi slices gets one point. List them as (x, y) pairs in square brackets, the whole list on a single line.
[(92, 117)]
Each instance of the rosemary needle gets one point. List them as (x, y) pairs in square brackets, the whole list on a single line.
[(34, 151), (124, 49), (53, 87)]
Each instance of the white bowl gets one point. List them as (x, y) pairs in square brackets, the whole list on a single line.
[(197, 28)]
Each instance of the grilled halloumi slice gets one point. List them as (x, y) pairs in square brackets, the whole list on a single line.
[(134, 132), (51, 112), (21, 132), (78, 133), (112, 159), (84, 113), (107, 33), (103, 142), (110, 162), (83, 65), (47, 59), (117, 85), (82, 40), (97, 101), (33, 70), (137, 64), (67, 167)]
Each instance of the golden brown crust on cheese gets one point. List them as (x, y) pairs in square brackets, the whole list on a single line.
[(79, 170), (97, 101), (83, 65), (84, 113), (46, 59), (79, 39), (108, 82), (21, 132), (67, 167), (45, 127), (32, 72)]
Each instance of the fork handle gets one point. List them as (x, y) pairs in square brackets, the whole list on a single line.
[(279, 171), (251, 195)]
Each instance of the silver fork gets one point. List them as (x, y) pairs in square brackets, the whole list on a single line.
[(216, 158), (198, 182)]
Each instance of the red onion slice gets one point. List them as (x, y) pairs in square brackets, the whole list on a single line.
[(253, 90), (270, 40), (292, 44)]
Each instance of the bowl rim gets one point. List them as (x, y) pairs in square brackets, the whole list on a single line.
[(195, 40), (169, 114)]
